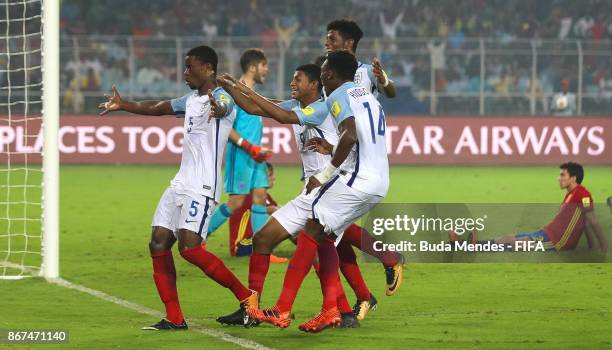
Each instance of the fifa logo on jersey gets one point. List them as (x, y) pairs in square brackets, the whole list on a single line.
[(335, 109), (357, 79), (308, 110), (586, 202)]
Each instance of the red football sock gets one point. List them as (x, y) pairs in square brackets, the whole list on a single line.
[(298, 268), (351, 271), (342, 302), (258, 269), (365, 242), (317, 269), (214, 268), (164, 275), (328, 273)]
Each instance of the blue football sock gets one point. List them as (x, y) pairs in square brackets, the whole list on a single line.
[(259, 216), (219, 216)]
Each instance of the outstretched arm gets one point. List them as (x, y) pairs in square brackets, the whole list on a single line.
[(383, 82), (116, 103), (228, 83), (265, 107)]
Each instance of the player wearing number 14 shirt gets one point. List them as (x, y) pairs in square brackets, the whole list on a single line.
[(352, 183)]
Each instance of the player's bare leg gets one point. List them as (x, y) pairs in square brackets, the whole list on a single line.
[(162, 239), (235, 201), (164, 275)]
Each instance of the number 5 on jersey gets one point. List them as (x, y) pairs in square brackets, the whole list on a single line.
[(193, 210)]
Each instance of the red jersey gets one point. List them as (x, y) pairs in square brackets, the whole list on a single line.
[(240, 229), (567, 227)]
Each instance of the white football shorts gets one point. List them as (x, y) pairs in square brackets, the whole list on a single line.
[(177, 211)]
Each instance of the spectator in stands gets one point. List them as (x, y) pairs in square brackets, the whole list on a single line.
[(583, 26), (438, 58), (285, 29), (564, 102), (389, 28)]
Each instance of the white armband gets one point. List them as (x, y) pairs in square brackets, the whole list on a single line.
[(326, 173), (386, 83)]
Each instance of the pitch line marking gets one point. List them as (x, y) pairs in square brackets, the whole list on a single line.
[(244, 343)]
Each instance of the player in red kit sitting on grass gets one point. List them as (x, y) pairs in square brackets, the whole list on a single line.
[(574, 217)]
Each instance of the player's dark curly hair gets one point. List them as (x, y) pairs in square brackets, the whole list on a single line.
[(320, 59), (574, 169), (348, 29), (251, 57), (343, 63), (205, 54), (313, 72)]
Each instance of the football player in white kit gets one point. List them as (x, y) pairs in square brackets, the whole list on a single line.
[(185, 208), (344, 35), (352, 183), (309, 116)]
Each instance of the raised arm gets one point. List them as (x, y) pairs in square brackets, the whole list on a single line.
[(116, 103), (383, 82)]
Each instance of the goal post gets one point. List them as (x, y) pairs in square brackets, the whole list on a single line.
[(50, 154), (29, 127)]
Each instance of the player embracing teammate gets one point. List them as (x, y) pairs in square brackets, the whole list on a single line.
[(347, 187)]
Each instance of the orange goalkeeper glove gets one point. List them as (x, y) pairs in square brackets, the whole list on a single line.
[(258, 153)]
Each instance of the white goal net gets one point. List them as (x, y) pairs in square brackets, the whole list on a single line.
[(22, 141)]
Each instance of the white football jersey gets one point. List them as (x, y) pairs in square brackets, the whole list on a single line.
[(203, 144), (367, 167), (315, 121), (364, 76)]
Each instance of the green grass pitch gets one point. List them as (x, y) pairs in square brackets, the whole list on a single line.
[(105, 217)]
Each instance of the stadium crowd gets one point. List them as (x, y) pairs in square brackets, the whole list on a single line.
[(455, 20), (442, 36)]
